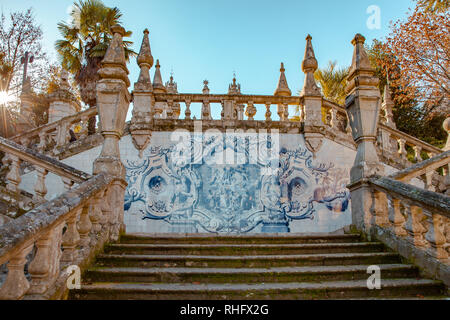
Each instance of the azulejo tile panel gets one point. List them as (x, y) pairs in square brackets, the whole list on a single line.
[(237, 184)]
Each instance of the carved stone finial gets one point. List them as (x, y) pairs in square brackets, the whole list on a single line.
[(234, 87), (158, 86), (171, 85), (114, 64), (145, 62), (309, 66), (360, 67), (282, 88), (205, 87)]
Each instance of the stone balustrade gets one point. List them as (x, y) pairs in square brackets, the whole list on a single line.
[(16, 156), (412, 221), (50, 138), (427, 169), (67, 231)]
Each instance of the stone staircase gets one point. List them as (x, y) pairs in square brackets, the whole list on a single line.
[(201, 267)]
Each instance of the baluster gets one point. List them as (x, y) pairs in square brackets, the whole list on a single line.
[(435, 235), (84, 127), (169, 109), (25, 141), (286, 112), (45, 267), (429, 181), (418, 153), (431, 154), (402, 148), (414, 225), (71, 239), (187, 113), (268, 112), (40, 188), (280, 112), (84, 227), (42, 141), (251, 111), (95, 212), (13, 178), (381, 209), (62, 135), (396, 217), (68, 183), (334, 120), (348, 128), (16, 284)]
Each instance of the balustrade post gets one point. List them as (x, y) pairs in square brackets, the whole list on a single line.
[(418, 153), (13, 178), (334, 120), (40, 188), (396, 217), (85, 226), (414, 225), (45, 266), (251, 111), (68, 183), (16, 284), (381, 213), (402, 149), (42, 141), (435, 235), (268, 112), (170, 113), (280, 112), (187, 113), (71, 238), (429, 181)]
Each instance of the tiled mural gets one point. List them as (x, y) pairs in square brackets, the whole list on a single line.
[(233, 184)]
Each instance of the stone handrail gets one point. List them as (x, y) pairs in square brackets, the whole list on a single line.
[(14, 150), (426, 167), (91, 218), (49, 137)]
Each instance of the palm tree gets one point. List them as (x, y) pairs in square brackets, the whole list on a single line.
[(85, 42), (333, 82), (434, 6)]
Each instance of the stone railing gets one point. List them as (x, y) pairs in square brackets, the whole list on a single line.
[(413, 222), (50, 138), (17, 157), (234, 107), (428, 169), (67, 231)]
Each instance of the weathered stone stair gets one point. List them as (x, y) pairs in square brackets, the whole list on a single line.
[(249, 267)]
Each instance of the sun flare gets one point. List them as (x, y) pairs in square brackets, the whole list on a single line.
[(5, 97)]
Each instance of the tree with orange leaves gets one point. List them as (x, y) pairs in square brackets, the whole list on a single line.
[(418, 50)]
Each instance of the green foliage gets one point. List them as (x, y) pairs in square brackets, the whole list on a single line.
[(332, 81), (85, 41)]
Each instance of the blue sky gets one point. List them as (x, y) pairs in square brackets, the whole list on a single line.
[(209, 39)]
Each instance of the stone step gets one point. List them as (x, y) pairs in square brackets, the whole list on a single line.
[(266, 261), (243, 249), (267, 291), (245, 275), (237, 239)]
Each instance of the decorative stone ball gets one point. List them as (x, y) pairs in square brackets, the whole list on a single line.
[(447, 125)]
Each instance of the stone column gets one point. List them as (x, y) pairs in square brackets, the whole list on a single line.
[(113, 100), (312, 101), (363, 108)]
